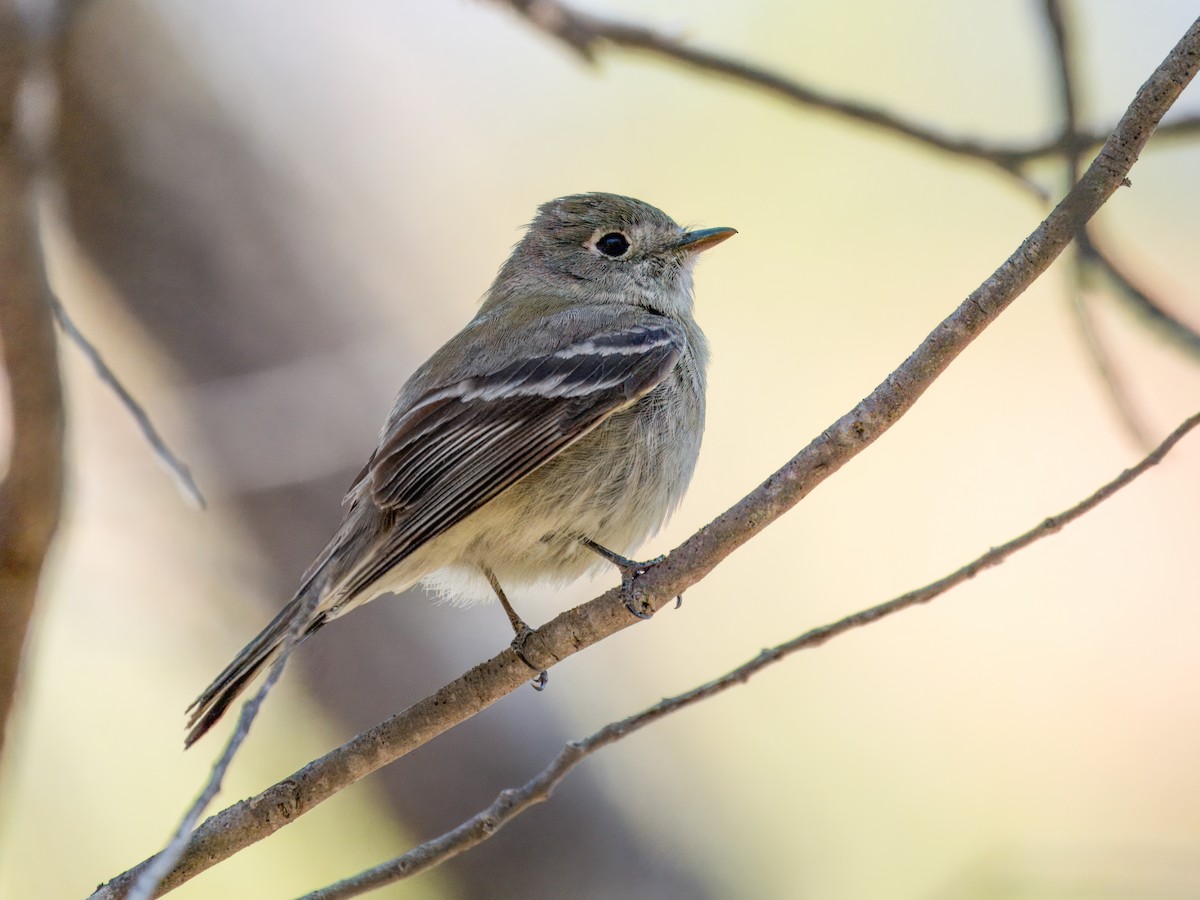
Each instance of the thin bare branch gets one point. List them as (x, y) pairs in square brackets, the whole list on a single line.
[(1151, 311), (180, 473), (514, 801), (586, 34), (1068, 102), (253, 819), (151, 873), (1102, 362), (1182, 128)]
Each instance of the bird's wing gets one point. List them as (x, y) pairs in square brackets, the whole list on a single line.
[(458, 446)]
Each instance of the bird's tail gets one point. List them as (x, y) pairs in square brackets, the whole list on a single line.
[(211, 705)]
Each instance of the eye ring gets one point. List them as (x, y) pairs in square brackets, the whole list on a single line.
[(613, 244)]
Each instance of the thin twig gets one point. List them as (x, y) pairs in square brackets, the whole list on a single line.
[(151, 873), (1150, 310), (586, 34), (514, 801), (1181, 128), (1102, 360), (249, 821), (180, 473), (1064, 67)]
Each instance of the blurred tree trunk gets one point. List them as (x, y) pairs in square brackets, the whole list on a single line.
[(31, 493)]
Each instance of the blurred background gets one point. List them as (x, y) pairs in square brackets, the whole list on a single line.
[(266, 215)]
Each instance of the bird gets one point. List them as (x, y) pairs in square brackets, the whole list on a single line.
[(557, 431)]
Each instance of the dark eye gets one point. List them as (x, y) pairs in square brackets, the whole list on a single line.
[(613, 244)]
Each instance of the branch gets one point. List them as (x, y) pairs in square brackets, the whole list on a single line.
[(151, 874), (1064, 68), (178, 469), (514, 801), (1102, 360), (1150, 310), (251, 820), (31, 495), (587, 34)]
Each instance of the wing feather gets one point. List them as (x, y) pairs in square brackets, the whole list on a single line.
[(459, 445)]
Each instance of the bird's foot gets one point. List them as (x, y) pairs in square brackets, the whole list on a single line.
[(523, 633), (634, 598), (631, 570)]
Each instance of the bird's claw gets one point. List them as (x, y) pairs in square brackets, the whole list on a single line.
[(633, 610), (541, 679), (630, 570)]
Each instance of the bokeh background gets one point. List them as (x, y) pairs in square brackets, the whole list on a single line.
[(267, 214)]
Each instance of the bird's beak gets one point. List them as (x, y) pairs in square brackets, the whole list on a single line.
[(695, 241)]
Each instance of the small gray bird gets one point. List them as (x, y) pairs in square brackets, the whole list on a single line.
[(557, 430)]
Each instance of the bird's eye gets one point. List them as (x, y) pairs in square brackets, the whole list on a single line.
[(613, 244)]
